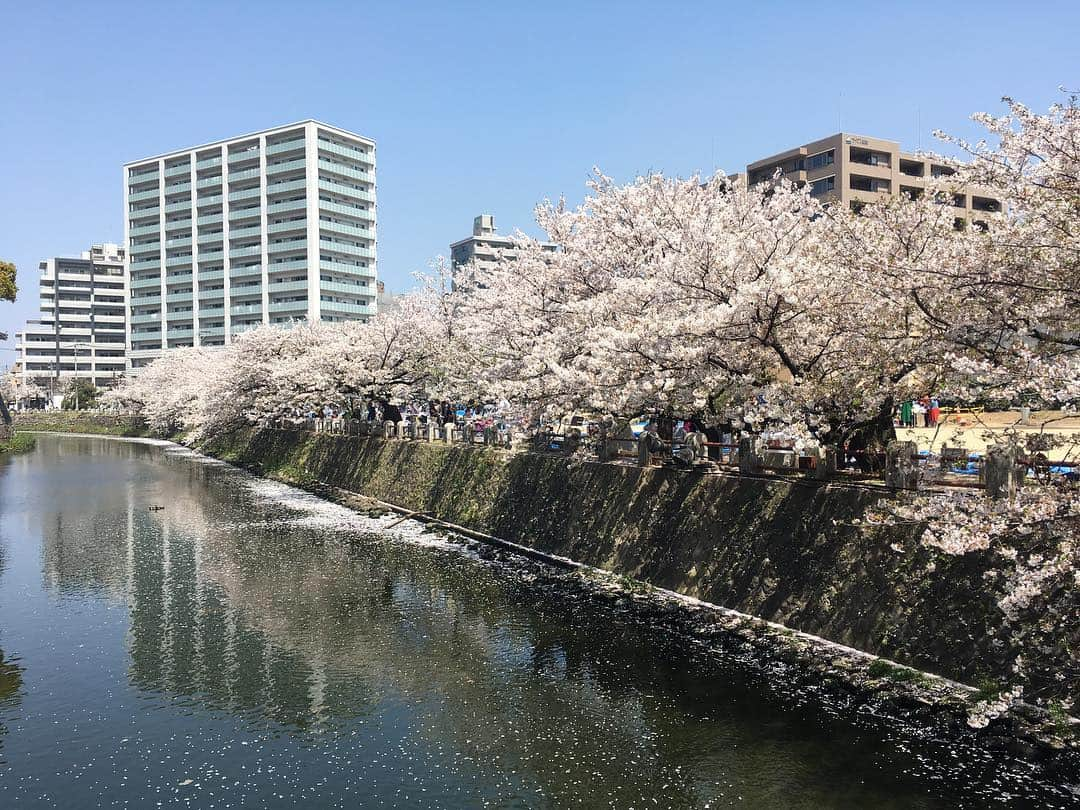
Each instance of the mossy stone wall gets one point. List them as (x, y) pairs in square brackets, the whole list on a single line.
[(788, 551)]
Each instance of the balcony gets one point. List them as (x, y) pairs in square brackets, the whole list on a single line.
[(289, 306), (208, 182), (147, 298), (208, 163), (286, 205), (178, 261), (143, 173), (178, 188), (349, 289), (284, 227), (144, 213), (209, 219), (149, 247), (145, 230), (346, 171), (287, 286), (242, 252), (246, 309), (340, 267), (154, 317), (179, 298), (868, 157), (246, 231), (912, 168), (243, 174), (206, 202), (286, 166), (250, 271), (211, 331), (346, 309), (211, 275), (292, 264), (347, 151), (351, 250), (244, 154), (183, 205), (348, 210), (181, 241), (245, 194), (180, 331), (149, 261), (211, 256), (342, 228), (143, 283), (178, 169), (287, 245), (986, 204), (285, 146), (345, 190), (177, 225), (288, 185), (858, 182), (139, 196), (210, 241)]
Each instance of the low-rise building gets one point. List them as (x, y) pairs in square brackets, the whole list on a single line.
[(485, 246), (81, 331), (857, 169)]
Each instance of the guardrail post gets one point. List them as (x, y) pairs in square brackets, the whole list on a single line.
[(432, 431), (401, 430), (448, 433), (1002, 473), (643, 450), (749, 455), (902, 465), (826, 463)]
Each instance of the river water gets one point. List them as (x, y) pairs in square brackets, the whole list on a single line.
[(247, 645)]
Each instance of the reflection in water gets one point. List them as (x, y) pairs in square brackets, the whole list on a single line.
[(287, 661), (10, 683)]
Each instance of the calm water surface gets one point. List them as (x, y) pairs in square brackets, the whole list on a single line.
[(246, 646)]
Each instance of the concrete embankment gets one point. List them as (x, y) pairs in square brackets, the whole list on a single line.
[(788, 551), (81, 422)]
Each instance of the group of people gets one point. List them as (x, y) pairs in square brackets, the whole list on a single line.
[(922, 412), (475, 414)]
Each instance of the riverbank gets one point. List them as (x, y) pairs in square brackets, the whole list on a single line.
[(791, 552), (81, 422), (18, 443)]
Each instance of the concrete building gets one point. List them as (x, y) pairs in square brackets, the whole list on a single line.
[(855, 169), (485, 246), (270, 227), (80, 333), (385, 299)]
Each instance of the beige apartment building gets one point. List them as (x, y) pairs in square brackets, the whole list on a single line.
[(855, 169)]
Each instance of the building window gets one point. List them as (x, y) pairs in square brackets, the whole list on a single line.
[(823, 186), (820, 159)]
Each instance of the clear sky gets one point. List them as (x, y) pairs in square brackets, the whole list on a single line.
[(483, 107)]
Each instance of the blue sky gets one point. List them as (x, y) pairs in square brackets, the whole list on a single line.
[(483, 107)]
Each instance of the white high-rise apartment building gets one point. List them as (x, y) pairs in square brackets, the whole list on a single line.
[(270, 227), (81, 329)]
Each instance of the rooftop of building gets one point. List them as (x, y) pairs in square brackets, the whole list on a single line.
[(270, 131), (810, 147)]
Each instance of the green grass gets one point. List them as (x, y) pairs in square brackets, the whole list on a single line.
[(883, 669), (20, 443), (77, 422)]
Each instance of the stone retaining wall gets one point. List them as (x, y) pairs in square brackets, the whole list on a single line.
[(793, 552)]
